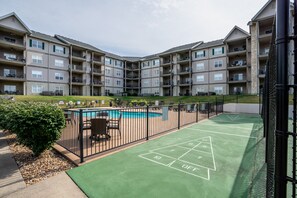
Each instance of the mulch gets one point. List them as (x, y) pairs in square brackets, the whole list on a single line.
[(35, 169)]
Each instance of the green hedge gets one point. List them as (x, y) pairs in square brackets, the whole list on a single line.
[(36, 125)]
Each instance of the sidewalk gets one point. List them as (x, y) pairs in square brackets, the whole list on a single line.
[(11, 179), (13, 185)]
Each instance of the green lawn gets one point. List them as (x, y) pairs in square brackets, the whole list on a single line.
[(167, 99)]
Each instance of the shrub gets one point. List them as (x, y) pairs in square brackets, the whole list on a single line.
[(37, 125)]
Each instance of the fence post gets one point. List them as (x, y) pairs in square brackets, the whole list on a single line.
[(216, 105), (147, 122), (197, 108), (178, 116), (81, 141), (208, 110), (237, 99)]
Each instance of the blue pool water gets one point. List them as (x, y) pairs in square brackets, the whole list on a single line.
[(125, 114)]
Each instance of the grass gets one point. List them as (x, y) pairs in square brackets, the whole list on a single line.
[(167, 99)]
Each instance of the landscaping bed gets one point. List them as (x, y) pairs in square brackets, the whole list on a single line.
[(35, 169)]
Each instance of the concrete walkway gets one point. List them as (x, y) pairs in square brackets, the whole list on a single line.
[(11, 179), (13, 185)]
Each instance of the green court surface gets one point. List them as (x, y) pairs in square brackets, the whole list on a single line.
[(220, 157)]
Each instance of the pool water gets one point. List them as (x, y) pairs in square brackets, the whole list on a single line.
[(125, 114)]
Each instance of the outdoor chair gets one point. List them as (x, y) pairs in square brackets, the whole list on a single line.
[(115, 124), (190, 108), (99, 129), (102, 114)]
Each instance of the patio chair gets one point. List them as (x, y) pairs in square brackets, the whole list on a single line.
[(102, 114), (99, 129), (115, 124)]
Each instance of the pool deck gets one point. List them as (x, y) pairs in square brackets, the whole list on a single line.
[(133, 131)]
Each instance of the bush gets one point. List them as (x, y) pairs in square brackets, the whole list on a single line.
[(140, 102), (37, 125)]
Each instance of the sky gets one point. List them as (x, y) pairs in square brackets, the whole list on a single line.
[(135, 27)]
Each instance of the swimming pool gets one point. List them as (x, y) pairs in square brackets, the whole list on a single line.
[(125, 114)]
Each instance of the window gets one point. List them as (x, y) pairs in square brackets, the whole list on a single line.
[(156, 62), (146, 83), (200, 66), (36, 74), (9, 88), (108, 61), (59, 90), (118, 82), (156, 72), (8, 39), (218, 63), (107, 71), (146, 64), (218, 90), (200, 54), (37, 88), (37, 59), (59, 49), (59, 76), (9, 72), (218, 76), (10, 56), (59, 63), (107, 81), (200, 78), (156, 82), (36, 44), (218, 51), (200, 89), (118, 73), (118, 63), (237, 90)]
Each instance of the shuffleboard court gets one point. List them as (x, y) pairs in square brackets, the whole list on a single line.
[(219, 157)]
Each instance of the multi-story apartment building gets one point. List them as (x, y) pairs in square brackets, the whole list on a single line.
[(47, 65), (13, 37), (36, 63)]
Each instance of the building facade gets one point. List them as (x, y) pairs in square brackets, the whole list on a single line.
[(36, 63)]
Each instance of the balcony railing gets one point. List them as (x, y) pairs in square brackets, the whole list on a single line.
[(237, 49), (12, 41), (262, 72), (78, 55), (164, 62), (166, 83), (78, 80), (97, 59), (98, 71), (77, 67), (13, 76), (98, 82), (18, 58), (236, 78), (17, 92), (185, 70), (238, 63), (132, 76), (186, 58), (185, 82), (132, 85), (168, 72)]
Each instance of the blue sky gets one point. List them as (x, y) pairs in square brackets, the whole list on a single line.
[(135, 27)]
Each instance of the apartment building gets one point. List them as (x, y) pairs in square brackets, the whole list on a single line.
[(132, 76), (150, 75), (36, 63), (13, 37), (47, 65), (114, 74)]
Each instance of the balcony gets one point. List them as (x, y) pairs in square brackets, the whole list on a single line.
[(166, 73), (132, 67), (13, 77), (263, 55), (237, 64), (97, 60), (132, 76), (78, 81), (77, 69), (98, 83), (97, 72), (236, 78), (76, 93), (186, 70), (261, 73), (186, 82), (183, 59), (134, 85), (14, 43), (165, 62), (17, 61), (77, 56), (166, 84), (237, 51), (265, 35)]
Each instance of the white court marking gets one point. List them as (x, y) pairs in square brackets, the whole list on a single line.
[(176, 161), (221, 133), (233, 127)]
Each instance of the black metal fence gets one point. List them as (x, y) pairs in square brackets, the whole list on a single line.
[(124, 126)]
